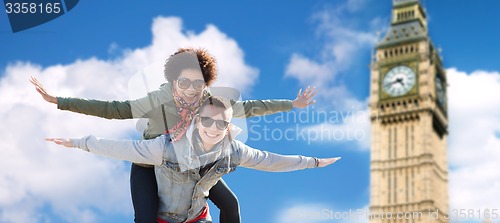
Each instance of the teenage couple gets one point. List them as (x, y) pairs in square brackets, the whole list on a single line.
[(188, 144)]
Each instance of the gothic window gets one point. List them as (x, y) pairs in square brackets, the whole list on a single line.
[(395, 142), (389, 152), (412, 141), (406, 140), (407, 189), (395, 189), (389, 188), (412, 185)]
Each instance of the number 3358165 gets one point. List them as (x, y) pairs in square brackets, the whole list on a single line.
[(33, 8)]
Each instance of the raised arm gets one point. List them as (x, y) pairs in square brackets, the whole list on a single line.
[(138, 151), (99, 108), (272, 162), (127, 109), (251, 108)]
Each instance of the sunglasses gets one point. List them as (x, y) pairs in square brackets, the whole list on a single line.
[(220, 124), (184, 83)]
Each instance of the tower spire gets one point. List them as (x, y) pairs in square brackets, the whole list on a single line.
[(408, 10), (403, 2), (409, 23)]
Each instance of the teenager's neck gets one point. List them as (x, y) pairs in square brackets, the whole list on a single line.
[(207, 147)]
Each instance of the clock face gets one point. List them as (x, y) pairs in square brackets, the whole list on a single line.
[(440, 92), (398, 81)]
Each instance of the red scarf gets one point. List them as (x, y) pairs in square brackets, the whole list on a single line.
[(186, 111)]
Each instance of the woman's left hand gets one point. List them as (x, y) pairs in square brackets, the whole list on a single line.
[(322, 162), (304, 99), (63, 142)]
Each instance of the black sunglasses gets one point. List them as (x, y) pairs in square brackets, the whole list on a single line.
[(184, 83), (207, 122)]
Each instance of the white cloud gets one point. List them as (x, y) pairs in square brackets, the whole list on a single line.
[(305, 70), (354, 5), (474, 146), (39, 180), (341, 49), (343, 126)]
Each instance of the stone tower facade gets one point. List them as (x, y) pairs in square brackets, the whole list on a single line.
[(409, 122)]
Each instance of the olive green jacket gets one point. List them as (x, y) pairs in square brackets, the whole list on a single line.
[(159, 108)]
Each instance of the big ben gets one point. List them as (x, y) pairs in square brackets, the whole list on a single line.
[(409, 122)]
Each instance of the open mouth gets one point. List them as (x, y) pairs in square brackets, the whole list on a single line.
[(211, 135), (190, 95)]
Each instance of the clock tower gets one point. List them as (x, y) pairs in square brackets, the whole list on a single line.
[(409, 122)]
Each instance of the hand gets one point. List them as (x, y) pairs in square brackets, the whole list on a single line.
[(39, 87), (63, 142), (304, 99), (327, 161)]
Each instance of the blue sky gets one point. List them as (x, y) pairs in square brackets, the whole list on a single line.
[(93, 51)]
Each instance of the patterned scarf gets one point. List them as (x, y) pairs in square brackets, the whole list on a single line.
[(186, 111)]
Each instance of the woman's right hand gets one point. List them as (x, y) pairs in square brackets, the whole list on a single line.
[(39, 87)]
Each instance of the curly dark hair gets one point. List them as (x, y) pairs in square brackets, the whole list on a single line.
[(189, 58)]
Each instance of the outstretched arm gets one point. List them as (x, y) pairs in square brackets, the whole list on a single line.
[(251, 108), (106, 109), (272, 162), (42, 91), (139, 151)]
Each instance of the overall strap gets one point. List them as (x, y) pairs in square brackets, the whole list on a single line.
[(164, 118)]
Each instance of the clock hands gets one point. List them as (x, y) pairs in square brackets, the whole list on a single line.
[(398, 80)]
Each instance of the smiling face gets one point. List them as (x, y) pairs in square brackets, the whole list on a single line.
[(192, 93), (211, 125)]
